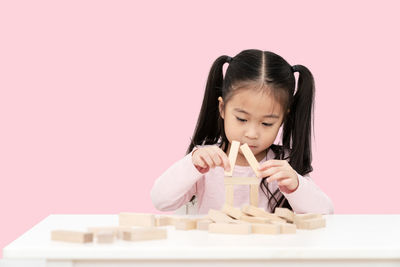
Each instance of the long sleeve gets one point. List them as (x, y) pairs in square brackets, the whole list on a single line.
[(176, 185), (309, 198)]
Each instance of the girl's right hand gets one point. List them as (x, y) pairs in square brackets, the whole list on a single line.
[(211, 156)]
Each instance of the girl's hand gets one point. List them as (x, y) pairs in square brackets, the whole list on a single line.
[(282, 172), (211, 156)]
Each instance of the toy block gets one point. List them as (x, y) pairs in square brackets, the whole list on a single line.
[(71, 236), (220, 217), (258, 212), (306, 216), (254, 195), (229, 228), (137, 219), (116, 230), (285, 213), (105, 237), (232, 156), (310, 224), (163, 221), (229, 191), (265, 228), (203, 224), (148, 233), (241, 181), (252, 219), (186, 224), (285, 228), (232, 211), (251, 159)]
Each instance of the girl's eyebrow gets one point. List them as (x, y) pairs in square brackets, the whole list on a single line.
[(265, 116)]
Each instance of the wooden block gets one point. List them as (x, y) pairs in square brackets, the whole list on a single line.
[(229, 228), (220, 217), (105, 237), (252, 219), (232, 156), (186, 224), (285, 213), (116, 230), (229, 194), (254, 195), (241, 180), (258, 212), (265, 228), (286, 228), (163, 221), (310, 224), (251, 159), (232, 211), (148, 233), (306, 216), (71, 236), (203, 224), (137, 219)]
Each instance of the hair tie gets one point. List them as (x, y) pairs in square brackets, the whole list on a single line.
[(294, 68), (229, 59)]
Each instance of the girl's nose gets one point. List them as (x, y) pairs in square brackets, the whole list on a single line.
[(251, 133)]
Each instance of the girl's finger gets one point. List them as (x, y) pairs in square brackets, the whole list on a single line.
[(285, 182), (271, 163), (277, 176), (207, 159), (270, 171), (224, 159)]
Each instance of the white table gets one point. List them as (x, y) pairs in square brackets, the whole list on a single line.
[(358, 240)]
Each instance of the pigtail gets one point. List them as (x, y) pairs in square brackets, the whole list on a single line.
[(208, 128), (297, 127)]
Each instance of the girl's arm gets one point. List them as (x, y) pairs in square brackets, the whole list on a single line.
[(309, 198), (176, 186)]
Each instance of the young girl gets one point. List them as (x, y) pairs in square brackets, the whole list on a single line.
[(254, 99)]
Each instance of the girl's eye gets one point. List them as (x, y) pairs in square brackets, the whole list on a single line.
[(267, 124), (239, 119)]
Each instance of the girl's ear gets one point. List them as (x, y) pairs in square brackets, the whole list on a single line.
[(221, 107)]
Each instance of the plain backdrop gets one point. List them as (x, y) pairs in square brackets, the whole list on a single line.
[(98, 98)]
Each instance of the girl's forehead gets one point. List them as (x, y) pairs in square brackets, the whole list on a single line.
[(255, 102)]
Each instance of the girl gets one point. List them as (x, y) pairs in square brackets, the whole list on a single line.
[(254, 99)]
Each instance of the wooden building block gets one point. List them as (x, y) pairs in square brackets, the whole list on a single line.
[(105, 237), (310, 224), (306, 216), (116, 230), (252, 219), (137, 219), (232, 156), (286, 228), (232, 211), (285, 213), (265, 228), (254, 195), (220, 217), (148, 233), (71, 236), (251, 159), (258, 212), (241, 180), (229, 228), (203, 224), (186, 224), (229, 194), (163, 221)]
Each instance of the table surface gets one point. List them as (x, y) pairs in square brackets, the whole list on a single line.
[(344, 237)]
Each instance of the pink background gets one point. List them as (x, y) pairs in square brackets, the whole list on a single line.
[(98, 98)]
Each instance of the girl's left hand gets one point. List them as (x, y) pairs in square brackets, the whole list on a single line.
[(282, 172)]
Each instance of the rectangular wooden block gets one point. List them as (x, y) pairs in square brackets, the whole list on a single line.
[(265, 228), (258, 212), (232, 211), (254, 195), (116, 230), (232, 156), (230, 228), (203, 224), (310, 224), (241, 180), (251, 159), (148, 233), (163, 221), (306, 216), (286, 228), (71, 236), (220, 217), (252, 219), (285, 213), (186, 224), (105, 237), (229, 194), (137, 219)]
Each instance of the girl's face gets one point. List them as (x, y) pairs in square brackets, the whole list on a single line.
[(253, 117)]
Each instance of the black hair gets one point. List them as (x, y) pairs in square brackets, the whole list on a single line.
[(272, 71)]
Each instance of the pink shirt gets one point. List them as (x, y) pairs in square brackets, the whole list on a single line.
[(176, 186)]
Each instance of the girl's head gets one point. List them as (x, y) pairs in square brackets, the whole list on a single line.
[(256, 96)]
